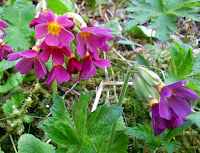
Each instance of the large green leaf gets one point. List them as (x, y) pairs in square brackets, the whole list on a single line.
[(30, 144), (60, 128), (80, 113), (194, 118), (163, 14), (61, 6), (18, 32), (4, 64)]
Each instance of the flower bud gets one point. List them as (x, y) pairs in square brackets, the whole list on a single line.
[(78, 20), (142, 89), (150, 77)]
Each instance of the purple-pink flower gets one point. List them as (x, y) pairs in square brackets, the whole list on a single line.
[(89, 62), (59, 73), (54, 30), (57, 53), (29, 58), (73, 65), (93, 38), (5, 50), (3, 24), (173, 108)]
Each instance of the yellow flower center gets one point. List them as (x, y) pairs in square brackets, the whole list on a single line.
[(85, 33), (45, 12), (54, 27), (72, 56)]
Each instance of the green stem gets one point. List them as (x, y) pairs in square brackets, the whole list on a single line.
[(121, 98), (26, 2), (54, 87)]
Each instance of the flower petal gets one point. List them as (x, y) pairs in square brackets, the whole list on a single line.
[(4, 33), (45, 54), (52, 40), (24, 65), (177, 84), (185, 93), (61, 74), (41, 31), (180, 106), (58, 57), (51, 76), (81, 46), (14, 56), (64, 21), (66, 37), (39, 68), (29, 53), (164, 110), (94, 42), (102, 63), (3, 24)]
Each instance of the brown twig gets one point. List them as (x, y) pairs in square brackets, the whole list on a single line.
[(188, 28), (69, 90), (107, 79)]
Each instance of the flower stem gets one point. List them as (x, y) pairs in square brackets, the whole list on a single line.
[(54, 88), (186, 35), (121, 98)]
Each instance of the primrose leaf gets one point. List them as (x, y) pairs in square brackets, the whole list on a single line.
[(171, 146), (30, 144), (61, 6), (60, 128), (182, 59), (4, 64), (162, 13), (19, 20), (80, 113), (14, 80), (144, 131)]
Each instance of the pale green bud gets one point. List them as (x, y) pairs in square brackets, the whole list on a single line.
[(150, 77)]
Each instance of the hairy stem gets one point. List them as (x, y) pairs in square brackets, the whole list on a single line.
[(54, 88), (121, 98)]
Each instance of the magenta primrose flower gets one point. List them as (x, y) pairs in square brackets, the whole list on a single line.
[(57, 53), (93, 38), (5, 50), (91, 59), (53, 29), (3, 24), (173, 108), (58, 72), (28, 58)]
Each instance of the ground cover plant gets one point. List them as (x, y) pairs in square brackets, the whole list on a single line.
[(99, 76)]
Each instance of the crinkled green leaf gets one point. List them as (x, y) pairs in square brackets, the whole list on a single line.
[(80, 113), (14, 80), (171, 146), (163, 14), (30, 144), (141, 60), (4, 64), (182, 59), (120, 142), (144, 131), (60, 128), (19, 20), (61, 6)]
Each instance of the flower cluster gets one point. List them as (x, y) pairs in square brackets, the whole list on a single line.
[(4, 50), (170, 109), (55, 39)]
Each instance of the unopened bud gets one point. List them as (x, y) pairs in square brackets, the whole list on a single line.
[(78, 20), (150, 77), (142, 89)]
